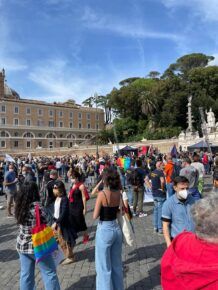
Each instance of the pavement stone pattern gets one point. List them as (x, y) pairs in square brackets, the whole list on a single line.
[(141, 262)]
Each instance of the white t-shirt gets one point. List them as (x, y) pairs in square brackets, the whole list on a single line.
[(58, 165), (57, 207), (125, 197), (200, 168)]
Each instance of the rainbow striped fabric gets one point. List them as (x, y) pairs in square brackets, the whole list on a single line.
[(43, 239), (124, 162)]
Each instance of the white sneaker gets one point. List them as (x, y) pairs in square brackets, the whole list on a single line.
[(142, 214)]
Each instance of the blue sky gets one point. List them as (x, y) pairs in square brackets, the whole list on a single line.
[(55, 50)]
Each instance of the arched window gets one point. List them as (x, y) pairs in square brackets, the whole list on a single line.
[(28, 135), (4, 134), (51, 136), (88, 136), (71, 136)]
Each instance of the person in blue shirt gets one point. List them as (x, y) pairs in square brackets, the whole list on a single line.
[(176, 216), (10, 188)]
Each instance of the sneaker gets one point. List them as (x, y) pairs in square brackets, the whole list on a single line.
[(134, 214), (10, 216), (67, 261), (155, 230), (142, 214)]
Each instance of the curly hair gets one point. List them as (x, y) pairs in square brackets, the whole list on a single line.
[(27, 194), (205, 216)]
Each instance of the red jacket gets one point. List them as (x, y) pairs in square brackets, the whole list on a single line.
[(190, 264)]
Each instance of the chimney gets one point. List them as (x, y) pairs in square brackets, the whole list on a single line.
[(2, 83)]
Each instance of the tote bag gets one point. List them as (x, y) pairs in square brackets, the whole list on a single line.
[(125, 225), (43, 239)]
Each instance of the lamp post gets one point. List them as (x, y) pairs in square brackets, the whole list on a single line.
[(95, 100)]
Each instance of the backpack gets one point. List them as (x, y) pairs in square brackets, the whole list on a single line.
[(136, 178), (175, 172)]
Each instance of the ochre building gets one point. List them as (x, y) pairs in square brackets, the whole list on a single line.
[(31, 124)]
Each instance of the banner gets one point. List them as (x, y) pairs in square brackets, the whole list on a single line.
[(8, 158)]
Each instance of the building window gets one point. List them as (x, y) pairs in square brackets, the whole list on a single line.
[(16, 122), (80, 126), (60, 114), (40, 112), (16, 110), (61, 124), (3, 121), (61, 144), (97, 126), (51, 123), (71, 114), (28, 135), (40, 144), (88, 126), (80, 115), (2, 144), (28, 111), (51, 113), (28, 144), (3, 109), (16, 143), (88, 116), (28, 122), (97, 117), (50, 144), (71, 125)]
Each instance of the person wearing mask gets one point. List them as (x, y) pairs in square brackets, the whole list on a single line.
[(191, 173), (191, 262), (65, 232), (26, 200), (201, 171), (49, 195), (156, 181), (168, 171), (10, 183), (78, 207), (108, 245), (176, 216)]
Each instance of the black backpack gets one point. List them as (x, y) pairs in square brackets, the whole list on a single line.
[(176, 171)]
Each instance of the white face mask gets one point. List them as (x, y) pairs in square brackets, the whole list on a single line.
[(183, 194), (73, 180)]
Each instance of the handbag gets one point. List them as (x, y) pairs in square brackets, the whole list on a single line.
[(125, 225), (43, 239), (58, 256)]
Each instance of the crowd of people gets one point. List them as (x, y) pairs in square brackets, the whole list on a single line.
[(61, 185)]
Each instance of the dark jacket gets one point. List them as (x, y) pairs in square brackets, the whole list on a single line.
[(63, 220)]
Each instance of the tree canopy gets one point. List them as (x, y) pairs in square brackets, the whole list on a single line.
[(156, 106)]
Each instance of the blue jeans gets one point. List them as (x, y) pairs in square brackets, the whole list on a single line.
[(170, 190), (47, 269), (108, 256), (130, 194), (158, 204)]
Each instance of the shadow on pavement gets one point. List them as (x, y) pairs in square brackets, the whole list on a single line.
[(8, 255), (84, 283)]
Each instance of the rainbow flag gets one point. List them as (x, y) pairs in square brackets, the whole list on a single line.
[(124, 162)]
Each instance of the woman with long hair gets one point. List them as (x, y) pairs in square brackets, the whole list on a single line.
[(77, 198), (26, 199), (108, 245), (65, 232)]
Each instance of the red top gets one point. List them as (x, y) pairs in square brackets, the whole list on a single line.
[(190, 264)]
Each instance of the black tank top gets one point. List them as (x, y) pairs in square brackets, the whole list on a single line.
[(108, 213)]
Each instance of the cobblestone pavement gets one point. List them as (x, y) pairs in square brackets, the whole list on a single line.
[(142, 262)]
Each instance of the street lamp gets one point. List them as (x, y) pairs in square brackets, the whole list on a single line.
[(95, 100)]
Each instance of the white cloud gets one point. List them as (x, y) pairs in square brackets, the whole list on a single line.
[(9, 48), (215, 61), (206, 9), (123, 28), (60, 82)]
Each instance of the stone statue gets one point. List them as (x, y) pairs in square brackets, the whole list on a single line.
[(211, 120)]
